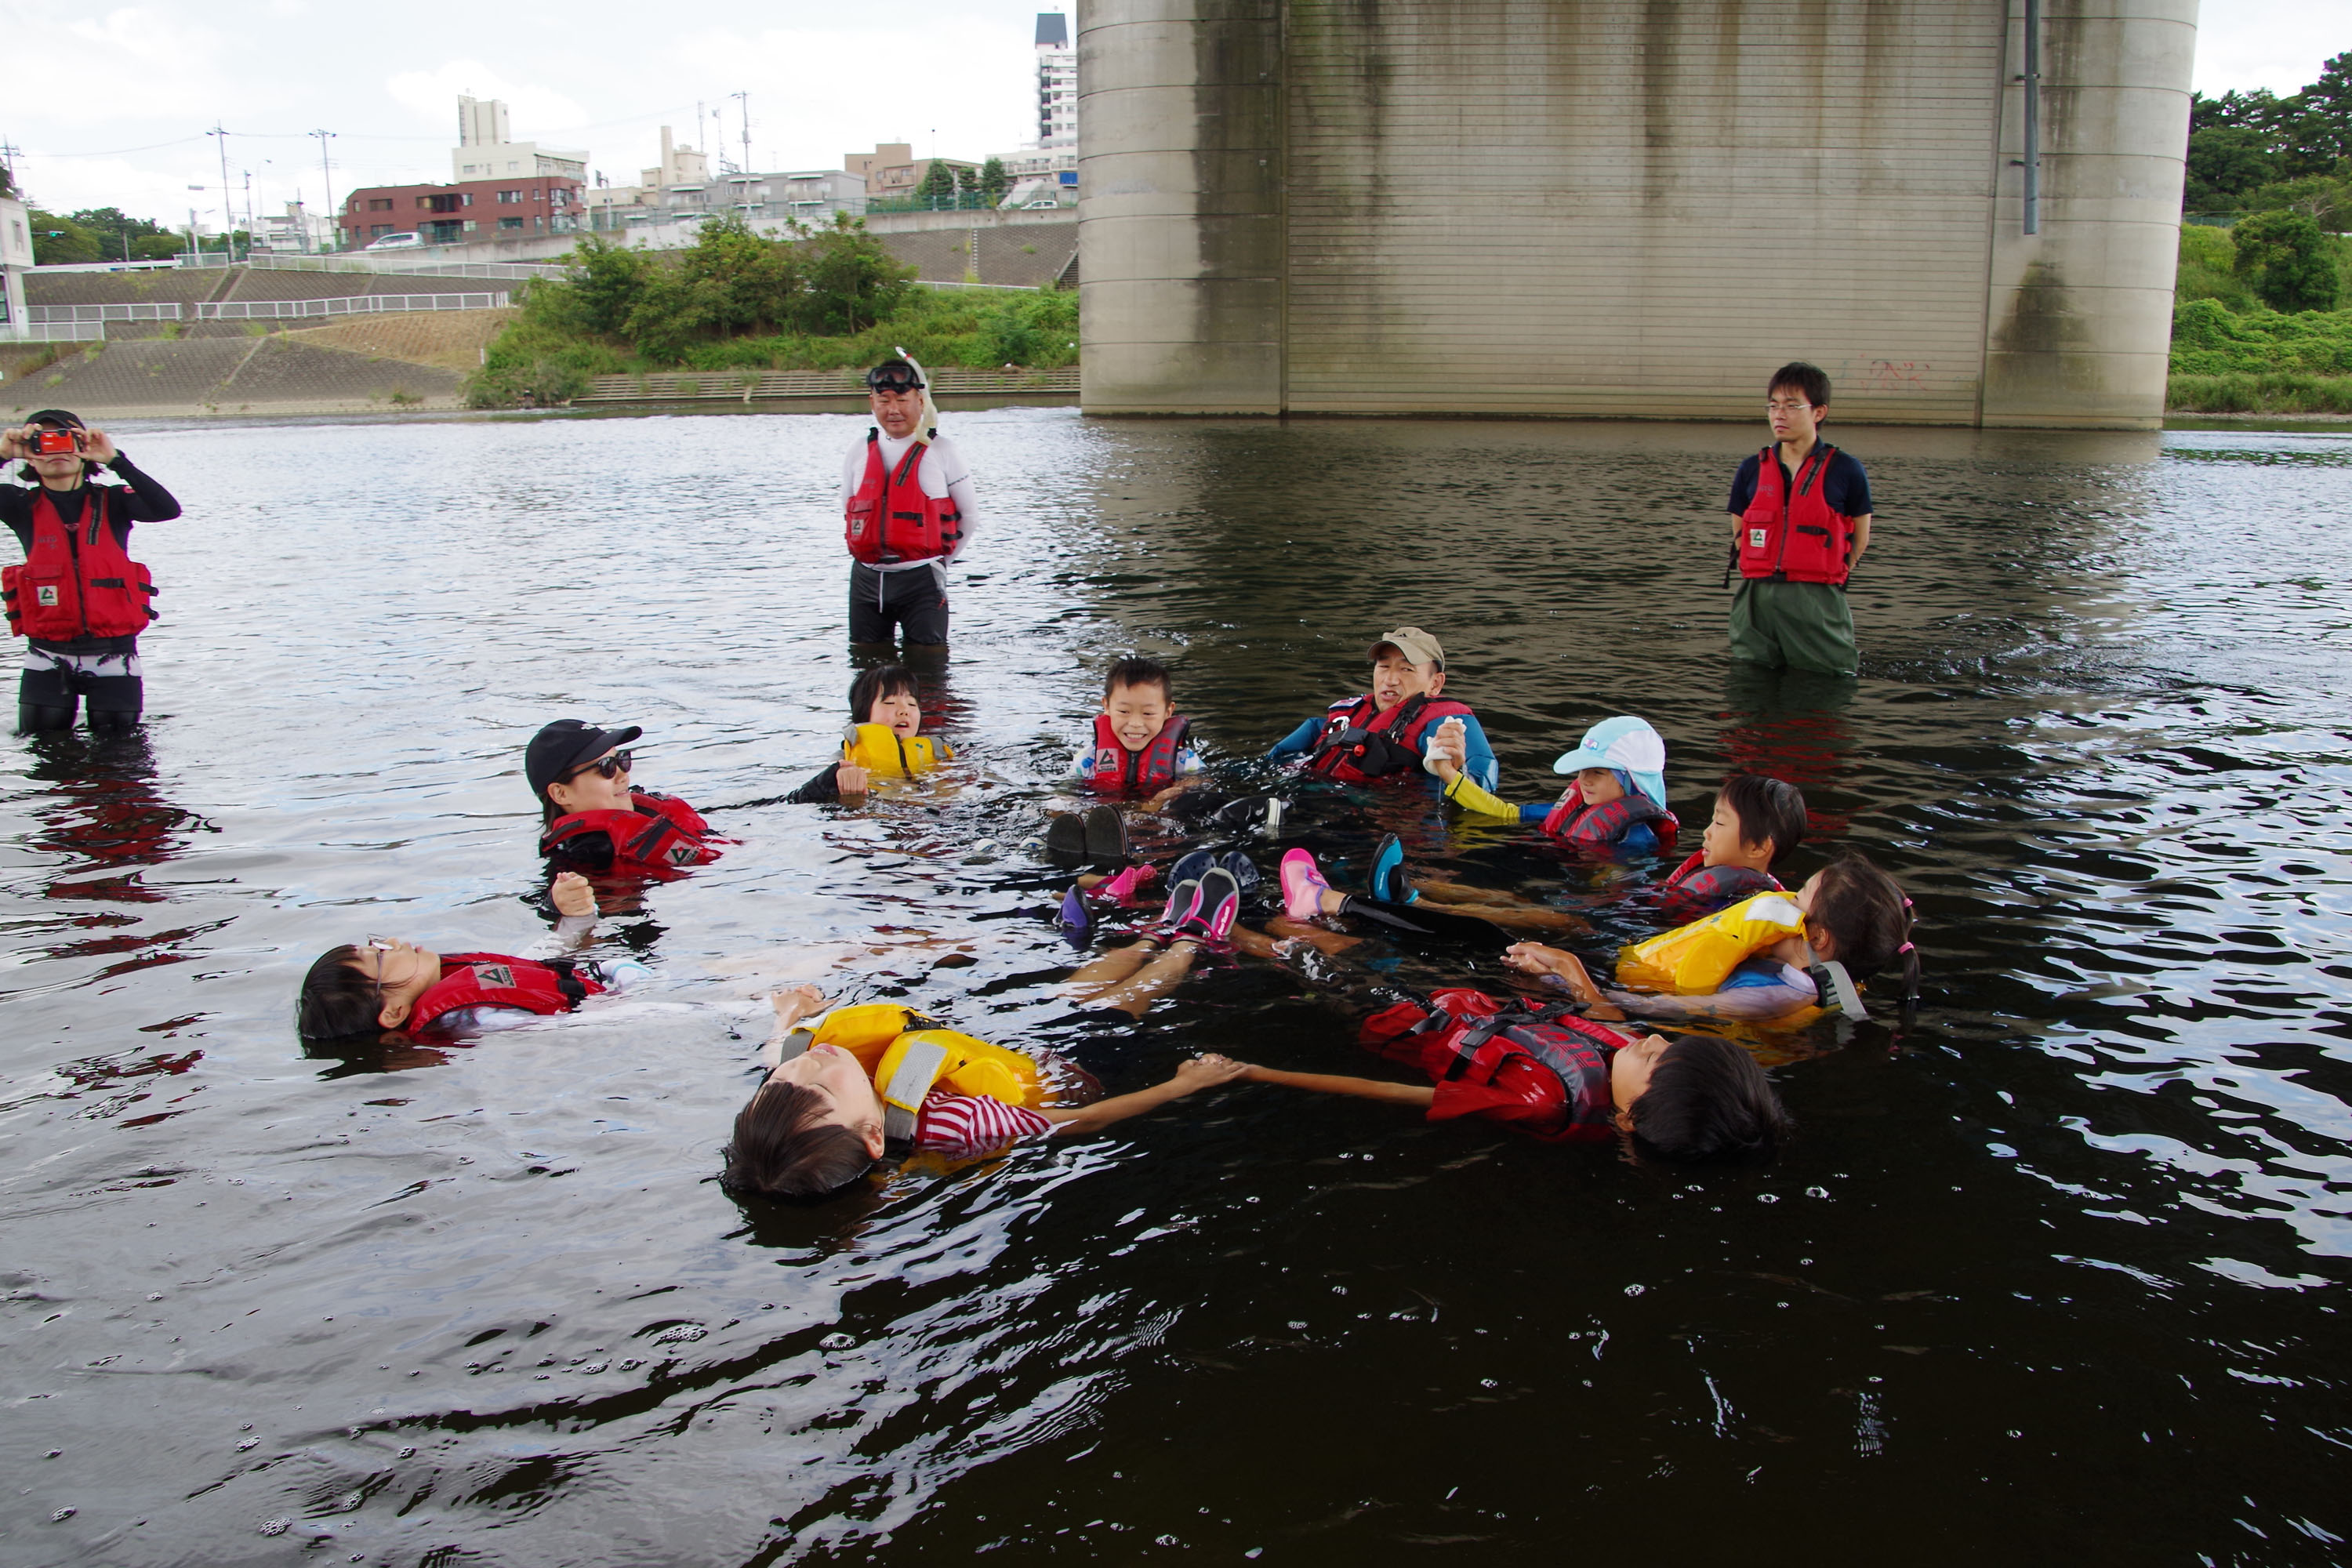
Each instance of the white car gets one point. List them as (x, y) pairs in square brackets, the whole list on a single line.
[(398, 242), (1039, 206)]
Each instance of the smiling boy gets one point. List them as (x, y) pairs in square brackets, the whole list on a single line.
[(1142, 745)]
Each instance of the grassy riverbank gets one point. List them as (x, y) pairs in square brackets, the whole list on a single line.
[(2233, 355), (735, 302)]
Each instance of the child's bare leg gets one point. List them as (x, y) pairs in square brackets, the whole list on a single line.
[(1313, 935), (1149, 983), (1111, 968)]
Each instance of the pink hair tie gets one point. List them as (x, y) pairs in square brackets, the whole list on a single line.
[(1905, 948)]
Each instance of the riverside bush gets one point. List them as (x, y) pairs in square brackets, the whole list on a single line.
[(828, 300)]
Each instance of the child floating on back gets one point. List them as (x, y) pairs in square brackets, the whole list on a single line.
[(882, 1081), (1775, 957)]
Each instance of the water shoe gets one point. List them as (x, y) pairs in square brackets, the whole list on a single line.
[(1192, 867), (1218, 905), (1303, 886), (1183, 903), (1123, 888), (1105, 835), (1261, 812), (1074, 917), (1244, 875), (1387, 873), (1065, 839)]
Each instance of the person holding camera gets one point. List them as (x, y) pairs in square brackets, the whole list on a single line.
[(907, 506), (78, 600)]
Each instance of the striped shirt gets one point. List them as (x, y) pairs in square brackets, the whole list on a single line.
[(952, 1123)]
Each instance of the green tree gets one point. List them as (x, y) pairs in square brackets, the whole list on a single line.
[(117, 232), (852, 280), (2290, 263), (156, 247), (605, 283), (939, 182), (994, 181), (60, 241), (732, 282), (2226, 164)]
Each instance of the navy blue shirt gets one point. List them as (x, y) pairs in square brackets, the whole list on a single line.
[(1845, 487)]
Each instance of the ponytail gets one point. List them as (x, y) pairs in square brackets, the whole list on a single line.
[(1869, 918)]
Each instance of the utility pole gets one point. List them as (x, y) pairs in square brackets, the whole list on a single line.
[(248, 212), (328, 176), (228, 216), (743, 111)]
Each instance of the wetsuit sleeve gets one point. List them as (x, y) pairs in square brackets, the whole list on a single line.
[(1465, 794), (1478, 757), (958, 477), (1847, 487), (1535, 812), (819, 789), (1743, 488), (151, 502), (571, 933), (1298, 743)]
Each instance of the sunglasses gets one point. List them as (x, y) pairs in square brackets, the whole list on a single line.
[(610, 767), (895, 384)]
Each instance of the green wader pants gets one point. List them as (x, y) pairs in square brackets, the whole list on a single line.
[(1799, 625)]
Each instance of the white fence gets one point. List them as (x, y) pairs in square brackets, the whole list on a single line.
[(44, 314), (351, 305), (52, 332), (419, 261)]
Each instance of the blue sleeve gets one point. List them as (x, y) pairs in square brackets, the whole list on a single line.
[(1298, 742), (1639, 840), (1538, 812), (1743, 488), (1846, 487), (1477, 757)]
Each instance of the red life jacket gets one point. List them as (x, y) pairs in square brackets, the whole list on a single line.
[(1352, 753), (494, 980), (890, 520), (1119, 770), (1697, 889), (1795, 539), (76, 582), (1602, 826), (1481, 1034), (656, 840)]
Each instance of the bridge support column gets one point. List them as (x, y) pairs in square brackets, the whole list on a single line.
[(1182, 234)]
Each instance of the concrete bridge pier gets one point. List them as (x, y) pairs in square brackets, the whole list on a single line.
[(1630, 208)]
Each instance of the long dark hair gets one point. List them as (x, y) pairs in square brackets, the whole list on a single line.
[(1871, 918), (873, 685)]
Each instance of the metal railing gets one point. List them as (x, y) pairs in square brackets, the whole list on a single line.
[(53, 332), (744, 385), (397, 261), (351, 305), (38, 314)]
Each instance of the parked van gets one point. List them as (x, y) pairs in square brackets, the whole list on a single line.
[(398, 242)]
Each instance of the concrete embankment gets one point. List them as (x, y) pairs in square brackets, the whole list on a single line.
[(276, 373)]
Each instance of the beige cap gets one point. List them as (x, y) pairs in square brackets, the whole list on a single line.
[(1414, 643)]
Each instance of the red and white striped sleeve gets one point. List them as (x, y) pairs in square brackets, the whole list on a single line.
[(953, 1123)]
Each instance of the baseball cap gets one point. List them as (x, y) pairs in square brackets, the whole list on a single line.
[(566, 745), (1626, 744), (1414, 643), (894, 375)]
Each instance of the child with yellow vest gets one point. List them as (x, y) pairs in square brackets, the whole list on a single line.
[(1776, 957), (883, 739), (881, 1080)]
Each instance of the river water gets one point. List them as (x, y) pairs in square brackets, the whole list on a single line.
[(2053, 1273)]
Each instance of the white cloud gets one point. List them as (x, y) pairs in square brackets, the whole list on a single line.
[(431, 96), (2276, 44)]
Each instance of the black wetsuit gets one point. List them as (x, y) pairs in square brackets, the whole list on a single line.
[(103, 670)]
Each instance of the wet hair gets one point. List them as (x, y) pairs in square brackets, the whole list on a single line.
[(1136, 672), (1859, 906), (1767, 810), (873, 685), (337, 999), (782, 1147), (1808, 379), (1708, 1099)]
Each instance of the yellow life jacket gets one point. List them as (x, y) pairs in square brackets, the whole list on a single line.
[(1696, 959), (883, 753), (908, 1055)]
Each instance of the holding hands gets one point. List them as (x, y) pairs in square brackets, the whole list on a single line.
[(1449, 751), (852, 781), (573, 896)]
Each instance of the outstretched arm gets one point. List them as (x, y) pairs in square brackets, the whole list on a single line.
[(1740, 1001), (1419, 1095), (575, 908), (1200, 1072)]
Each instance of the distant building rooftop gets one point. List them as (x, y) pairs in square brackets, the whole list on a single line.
[(1052, 30)]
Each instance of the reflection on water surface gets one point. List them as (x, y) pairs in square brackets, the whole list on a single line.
[(2052, 1272)]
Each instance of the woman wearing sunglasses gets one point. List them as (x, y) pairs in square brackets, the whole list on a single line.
[(597, 823)]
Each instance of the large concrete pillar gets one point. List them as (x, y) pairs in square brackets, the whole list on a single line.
[(1180, 234), (2079, 320)]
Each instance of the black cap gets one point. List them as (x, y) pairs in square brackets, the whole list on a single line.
[(894, 375), (564, 747), (56, 419)]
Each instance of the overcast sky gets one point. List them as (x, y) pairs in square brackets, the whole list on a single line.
[(107, 106)]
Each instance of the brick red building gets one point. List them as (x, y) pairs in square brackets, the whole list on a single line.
[(460, 214)]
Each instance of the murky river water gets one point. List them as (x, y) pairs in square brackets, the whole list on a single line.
[(2053, 1275)]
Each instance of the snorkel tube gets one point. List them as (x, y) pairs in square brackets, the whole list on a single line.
[(927, 426)]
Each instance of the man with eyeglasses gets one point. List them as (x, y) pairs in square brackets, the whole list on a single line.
[(1803, 511), (907, 510)]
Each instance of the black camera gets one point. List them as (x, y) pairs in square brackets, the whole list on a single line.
[(47, 443)]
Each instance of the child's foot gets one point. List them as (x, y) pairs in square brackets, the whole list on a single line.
[(1183, 903), (1244, 875), (1065, 839), (1303, 886), (1191, 868), (1074, 917), (1123, 888), (1105, 835), (1218, 905), (1387, 873)]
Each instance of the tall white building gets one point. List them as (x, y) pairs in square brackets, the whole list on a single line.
[(486, 149), (1057, 83)]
